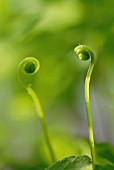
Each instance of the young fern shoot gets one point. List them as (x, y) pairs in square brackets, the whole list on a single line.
[(30, 66), (84, 53)]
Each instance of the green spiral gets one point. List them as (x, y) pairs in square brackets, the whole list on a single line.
[(30, 66), (85, 53)]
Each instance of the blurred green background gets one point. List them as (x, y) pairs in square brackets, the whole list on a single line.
[(50, 30)]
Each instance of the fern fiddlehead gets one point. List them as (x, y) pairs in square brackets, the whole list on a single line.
[(84, 53), (30, 66)]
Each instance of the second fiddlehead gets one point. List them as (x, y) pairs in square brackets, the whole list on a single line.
[(84, 53), (30, 66)]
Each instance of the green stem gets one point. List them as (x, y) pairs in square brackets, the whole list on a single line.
[(84, 53), (89, 118), (42, 121), (30, 66)]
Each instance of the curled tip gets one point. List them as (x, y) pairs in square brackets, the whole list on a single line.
[(83, 52), (29, 65)]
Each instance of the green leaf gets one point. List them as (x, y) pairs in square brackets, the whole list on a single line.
[(106, 167), (71, 163), (61, 164), (105, 151)]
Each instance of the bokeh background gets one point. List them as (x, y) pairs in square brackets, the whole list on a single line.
[(50, 30)]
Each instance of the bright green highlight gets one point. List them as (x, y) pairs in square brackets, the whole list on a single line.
[(30, 66), (84, 53)]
